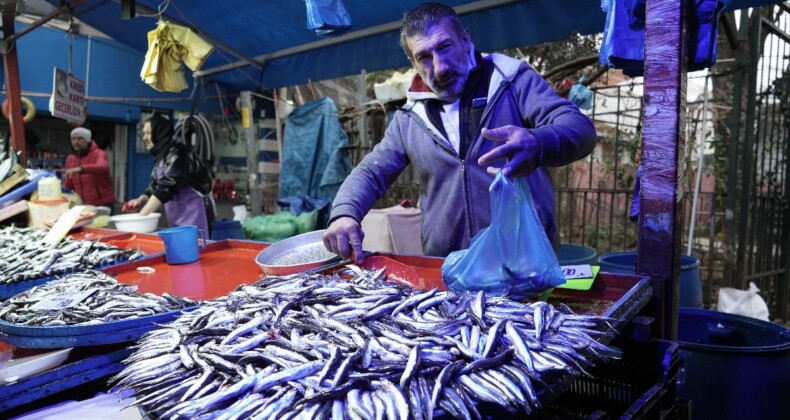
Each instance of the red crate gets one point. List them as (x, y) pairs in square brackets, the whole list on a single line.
[(223, 266), (90, 233), (617, 295), (147, 242)]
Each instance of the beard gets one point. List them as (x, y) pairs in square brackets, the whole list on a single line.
[(450, 86), (81, 152)]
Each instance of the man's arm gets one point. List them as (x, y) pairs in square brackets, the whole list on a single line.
[(371, 178), (367, 183), (71, 163), (101, 165), (554, 131), (564, 133)]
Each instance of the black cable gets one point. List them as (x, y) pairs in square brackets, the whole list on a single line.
[(196, 131)]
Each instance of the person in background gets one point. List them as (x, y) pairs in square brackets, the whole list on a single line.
[(87, 170), (466, 117), (179, 180)]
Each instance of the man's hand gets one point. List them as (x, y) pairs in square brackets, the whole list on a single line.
[(344, 236), (521, 149), (72, 171)]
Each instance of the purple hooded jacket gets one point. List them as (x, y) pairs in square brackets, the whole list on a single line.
[(454, 199)]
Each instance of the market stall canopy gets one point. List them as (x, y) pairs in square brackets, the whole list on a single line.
[(267, 44)]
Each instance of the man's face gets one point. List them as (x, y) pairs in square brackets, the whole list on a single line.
[(441, 57), (147, 142), (79, 143)]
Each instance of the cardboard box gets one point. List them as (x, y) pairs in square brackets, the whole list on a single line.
[(18, 176)]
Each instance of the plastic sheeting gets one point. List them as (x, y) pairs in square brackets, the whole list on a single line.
[(315, 157)]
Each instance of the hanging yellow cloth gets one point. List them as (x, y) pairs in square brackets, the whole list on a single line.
[(168, 45)]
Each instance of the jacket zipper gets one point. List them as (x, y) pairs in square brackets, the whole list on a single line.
[(445, 144), (466, 199)]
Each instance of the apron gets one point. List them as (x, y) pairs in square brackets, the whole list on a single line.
[(187, 206)]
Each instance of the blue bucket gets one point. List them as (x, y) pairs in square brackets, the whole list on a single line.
[(226, 229), (732, 366), (576, 255), (690, 286)]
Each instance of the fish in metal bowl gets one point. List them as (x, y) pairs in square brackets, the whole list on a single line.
[(295, 255)]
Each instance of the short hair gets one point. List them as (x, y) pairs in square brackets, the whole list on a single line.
[(420, 19)]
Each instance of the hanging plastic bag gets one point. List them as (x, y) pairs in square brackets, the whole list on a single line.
[(513, 256), (581, 95), (327, 17), (743, 302)]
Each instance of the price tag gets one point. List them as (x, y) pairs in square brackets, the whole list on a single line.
[(62, 300), (577, 271)]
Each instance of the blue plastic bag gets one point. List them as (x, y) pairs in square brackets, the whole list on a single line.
[(581, 95), (327, 17), (513, 256)]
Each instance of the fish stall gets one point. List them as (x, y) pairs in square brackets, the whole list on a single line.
[(225, 337), (26, 260)]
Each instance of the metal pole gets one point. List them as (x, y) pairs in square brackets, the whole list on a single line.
[(362, 97), (662, 153), (254, 185), (700, 167), (730, 241), (748, 141)]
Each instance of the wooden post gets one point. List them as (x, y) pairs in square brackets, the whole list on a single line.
[(663, 148), (13, 89)]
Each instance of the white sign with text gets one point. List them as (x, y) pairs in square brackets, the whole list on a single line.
[(582, 271), (62, 300), (68, 97)]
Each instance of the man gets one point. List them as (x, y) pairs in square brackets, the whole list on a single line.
[(464, 113), (88, 170)]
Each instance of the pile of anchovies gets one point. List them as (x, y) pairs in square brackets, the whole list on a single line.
[(321, 346), (111, 301), (24, 255)]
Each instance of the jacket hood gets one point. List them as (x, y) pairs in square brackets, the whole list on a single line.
[(161, 135)]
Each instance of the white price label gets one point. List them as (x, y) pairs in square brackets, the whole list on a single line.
[(63, 300), (582, 271)]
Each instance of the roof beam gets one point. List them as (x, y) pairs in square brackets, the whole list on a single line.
[(350, 36), (67, 7)]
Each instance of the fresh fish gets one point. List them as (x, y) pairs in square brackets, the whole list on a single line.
[(353, 345)]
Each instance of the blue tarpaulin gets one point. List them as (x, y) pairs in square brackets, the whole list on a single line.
[(275, 35), (315, 157)]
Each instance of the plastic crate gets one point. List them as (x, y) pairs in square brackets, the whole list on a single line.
[(641, 385)]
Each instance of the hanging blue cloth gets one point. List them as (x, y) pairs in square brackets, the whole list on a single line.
[(315, 153), (624, 35), (327, 17)]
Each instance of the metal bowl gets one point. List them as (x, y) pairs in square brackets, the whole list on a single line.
[(296, 254)]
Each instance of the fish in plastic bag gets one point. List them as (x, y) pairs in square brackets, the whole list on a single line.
[(512, 257)]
